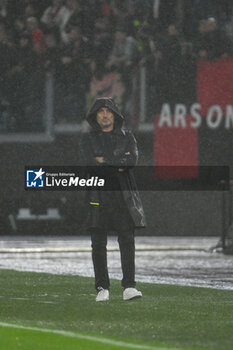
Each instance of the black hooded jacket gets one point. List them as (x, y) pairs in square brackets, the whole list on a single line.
[(119, 150)]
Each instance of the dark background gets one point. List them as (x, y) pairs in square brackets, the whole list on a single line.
[(168, 212)]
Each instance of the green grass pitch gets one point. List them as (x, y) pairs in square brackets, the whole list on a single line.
[(57, 312)]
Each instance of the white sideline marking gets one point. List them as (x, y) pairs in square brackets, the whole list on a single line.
[(89, 249), (86, 337)]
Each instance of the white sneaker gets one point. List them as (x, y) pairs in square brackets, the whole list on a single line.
[(131, 293), (103, 294)]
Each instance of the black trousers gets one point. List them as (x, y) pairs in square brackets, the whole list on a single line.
[(99, 257)]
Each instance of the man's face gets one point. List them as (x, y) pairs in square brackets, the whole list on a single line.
[(105, 119)]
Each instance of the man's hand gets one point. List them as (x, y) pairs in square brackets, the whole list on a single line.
[(122, 169), (100, 159)]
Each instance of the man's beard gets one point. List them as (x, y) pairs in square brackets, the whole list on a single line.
[(106, 126)]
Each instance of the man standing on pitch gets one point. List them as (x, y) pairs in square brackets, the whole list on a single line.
[(112, 150)]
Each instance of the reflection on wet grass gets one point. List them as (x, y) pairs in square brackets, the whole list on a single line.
[(175, 316)]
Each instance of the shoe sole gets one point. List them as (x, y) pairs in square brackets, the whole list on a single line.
[(99, 301), (132, 298)]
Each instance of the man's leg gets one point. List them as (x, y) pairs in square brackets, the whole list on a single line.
[(99, 258), (127, 250)]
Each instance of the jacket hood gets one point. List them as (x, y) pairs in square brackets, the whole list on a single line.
[(104, 102)]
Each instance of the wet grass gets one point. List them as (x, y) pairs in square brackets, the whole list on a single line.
[(182, 317)]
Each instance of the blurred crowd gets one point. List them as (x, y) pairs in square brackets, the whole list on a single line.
[(97, 48)]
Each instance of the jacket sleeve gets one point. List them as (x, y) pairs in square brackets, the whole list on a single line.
[(127, 156), (130, 156), (86, 155)]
